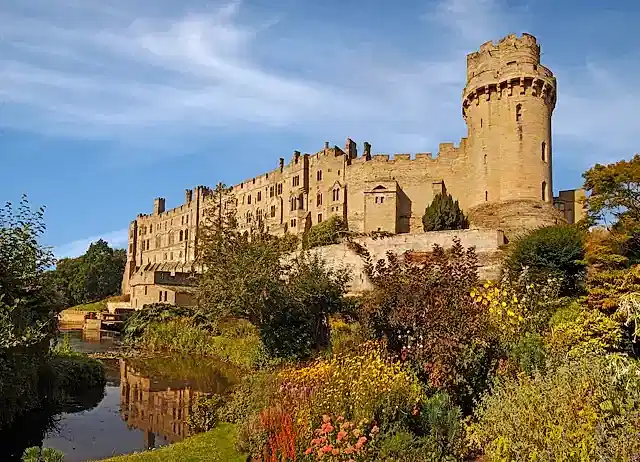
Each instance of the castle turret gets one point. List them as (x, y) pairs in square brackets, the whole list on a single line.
[(507, 105)]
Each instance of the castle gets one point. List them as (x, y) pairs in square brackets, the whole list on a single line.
[(501, 174)]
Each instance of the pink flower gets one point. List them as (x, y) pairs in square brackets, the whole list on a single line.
[(340, 418), (308, 451), (341, 435), (327, 448), (358, 446), (335, 452), (362, 440)]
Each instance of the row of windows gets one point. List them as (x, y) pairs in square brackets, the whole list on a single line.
[(273, 191), (143, 229), (146, 244)]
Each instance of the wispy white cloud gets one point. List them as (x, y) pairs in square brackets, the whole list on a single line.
[(116, 239)]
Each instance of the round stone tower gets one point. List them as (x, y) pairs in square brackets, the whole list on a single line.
[(507, 105)]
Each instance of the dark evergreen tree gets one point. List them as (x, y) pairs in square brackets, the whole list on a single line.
[(444, 213)]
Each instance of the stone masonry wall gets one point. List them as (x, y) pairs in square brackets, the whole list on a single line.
[(486, 242)]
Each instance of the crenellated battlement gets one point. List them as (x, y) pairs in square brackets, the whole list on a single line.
[(509, 58)]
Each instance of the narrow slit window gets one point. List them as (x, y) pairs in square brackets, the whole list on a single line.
[(518, 112), (544, 191), (544, 151), (486, 196)]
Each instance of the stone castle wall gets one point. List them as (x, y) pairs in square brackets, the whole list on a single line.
[(486, 242)]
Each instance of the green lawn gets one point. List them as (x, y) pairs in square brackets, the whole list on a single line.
[(95, 306), (215, 445)]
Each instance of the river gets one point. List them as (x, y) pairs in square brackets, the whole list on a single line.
[(145, 404)]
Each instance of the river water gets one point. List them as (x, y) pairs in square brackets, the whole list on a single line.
[(145, 404)]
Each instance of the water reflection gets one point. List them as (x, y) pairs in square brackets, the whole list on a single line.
[(145, 404), (157, 395)]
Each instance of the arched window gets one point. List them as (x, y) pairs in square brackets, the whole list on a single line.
[(186, 234), (544, 191), (181, 235), (544, 151), (518, 112)]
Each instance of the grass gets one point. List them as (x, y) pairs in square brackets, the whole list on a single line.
[(239, 342), (95, 306), (215, 445)]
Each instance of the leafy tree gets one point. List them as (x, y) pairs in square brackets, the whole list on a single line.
[(614, 190), (250, 275), (553, 251), (325, 233), (27, 316), (93, 276), (444, 213)]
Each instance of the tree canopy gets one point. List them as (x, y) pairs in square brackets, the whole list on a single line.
[(614, 190), (93, 276), (444, 213)]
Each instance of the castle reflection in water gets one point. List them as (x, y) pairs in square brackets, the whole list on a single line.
[(157, 407)]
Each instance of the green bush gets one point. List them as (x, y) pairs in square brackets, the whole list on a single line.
[(583, 410), (239, 344), (203, 415), (444, 213), (554, 251), (36, 454), (325, 233), (75, 373)]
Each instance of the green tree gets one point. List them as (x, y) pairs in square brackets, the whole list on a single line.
[(252, 275), (553, 251), (613, 190), (444, 213), (93, 276), (27, 316)]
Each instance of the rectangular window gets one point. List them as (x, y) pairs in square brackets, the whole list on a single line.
[(319, 199), (186, 220), (165, 295), (271, 191), (150, 229), (259, 196), (145, 290), (273, 211), (249, 199), (296, 180), (160, 296), (319, 218), (319, 175)]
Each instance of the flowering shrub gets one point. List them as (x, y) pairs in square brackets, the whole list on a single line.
[(281, 443), (342, 440), (357, 385), (516, 306)]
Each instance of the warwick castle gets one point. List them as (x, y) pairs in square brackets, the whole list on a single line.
[(501, 174)]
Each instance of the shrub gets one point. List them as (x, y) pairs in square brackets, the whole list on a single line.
[(238, 342), (346, 336), (604, 288), (554, 251), (75, 373), (584, 410), (426, 311), (341, 440), (325, 233), (203, 415), (37, 454), (358, 385), (588, 331), (443, 213)]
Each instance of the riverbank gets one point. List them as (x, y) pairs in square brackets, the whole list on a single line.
[(214, 445)]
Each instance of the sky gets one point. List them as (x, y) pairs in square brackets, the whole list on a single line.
[(107, 104)]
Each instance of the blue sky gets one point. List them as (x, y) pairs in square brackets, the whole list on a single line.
[(106, 104)]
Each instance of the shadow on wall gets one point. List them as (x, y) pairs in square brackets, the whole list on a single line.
[(404, 212)]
